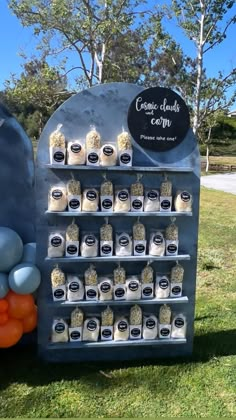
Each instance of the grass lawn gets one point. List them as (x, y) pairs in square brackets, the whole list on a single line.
[(203, 386)]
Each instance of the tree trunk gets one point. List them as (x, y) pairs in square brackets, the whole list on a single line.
[(207, 158), (200, 44)]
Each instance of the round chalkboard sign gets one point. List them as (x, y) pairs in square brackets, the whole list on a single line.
[(158, 119)]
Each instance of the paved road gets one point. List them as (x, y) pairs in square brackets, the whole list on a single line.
[(222, 182)]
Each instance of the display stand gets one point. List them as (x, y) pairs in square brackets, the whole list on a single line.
[(106, 107)]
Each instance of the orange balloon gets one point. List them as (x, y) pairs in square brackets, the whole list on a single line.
[(30, 322), (20, 306), (3, 318), (3, 305), (10, 333)]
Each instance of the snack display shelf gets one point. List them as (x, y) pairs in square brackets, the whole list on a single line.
[(119, 214), (120, 168), (85, 303), (115, 258), (112, 343)]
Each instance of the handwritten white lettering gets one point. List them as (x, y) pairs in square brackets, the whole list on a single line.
[(164, 122)]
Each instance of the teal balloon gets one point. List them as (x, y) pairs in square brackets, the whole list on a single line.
[(4, 288), (11, 249), (29, 253), (24, 278)]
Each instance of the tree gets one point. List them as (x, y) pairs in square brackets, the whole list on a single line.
[(203, 23)]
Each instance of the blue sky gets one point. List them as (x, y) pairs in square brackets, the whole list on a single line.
[(14, 38)]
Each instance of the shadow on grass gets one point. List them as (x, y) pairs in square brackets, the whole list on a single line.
[(21, 364)]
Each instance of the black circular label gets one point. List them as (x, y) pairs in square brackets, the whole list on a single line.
[(158, 239), (150, 323), (137, 204), (93, 157), (75, 148), (107, 203), (108, 150), (179, 322), (90, 240), (125, 158), (106, 249), (147, 291), (133, 286), (123, 241), (75, 335), (176, 290), (74, 286), (122, 326), (165, 204), (56, 241), (135, 332), (60, 327), (59, 293), (185, 196), (74, 203), (152, 195), (140, 248), (57, 194), (172, 248), (59, 156), (105, 287), (165, 332), (91, 325), (158, 119), (106, 333), (91, 293), (163, 283), (91, 195), (72, 249), (123, 196), (119, 292)]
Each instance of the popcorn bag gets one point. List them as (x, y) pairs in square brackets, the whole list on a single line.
[(74, 196), (107, 320), (93, 145), (57, 147), (125, 152), (76, 154), (166, 196), (58, 283)]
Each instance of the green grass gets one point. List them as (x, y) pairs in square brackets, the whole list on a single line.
[(202, 386)]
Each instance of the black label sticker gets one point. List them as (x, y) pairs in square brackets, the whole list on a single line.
[(74, 286), (176, 290), (91, 195), (107, 204), (75, 335), (91, 325), (165, 332), (179, 322), (91, 294), (135, 332), (58, 156), (123, 195), (74, 203), (165, 204), (60, 327), (185, 196), (139, 248), (119, 292), (93, 157), (75, 148), (108, 150), (105, 287), (125, 158), (158, 239), (133, 286), (123, 241), (57, 194), (137, 204), (122, 326), (59, 293), (56, 241), (172, 248), (106, 249), (147, 291), (150, 323), (158, 119), (72, 249), (106, 333), (163, 283), (152, 195), (90, 240)]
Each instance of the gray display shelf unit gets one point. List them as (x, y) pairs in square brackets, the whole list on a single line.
[(106, 107)]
